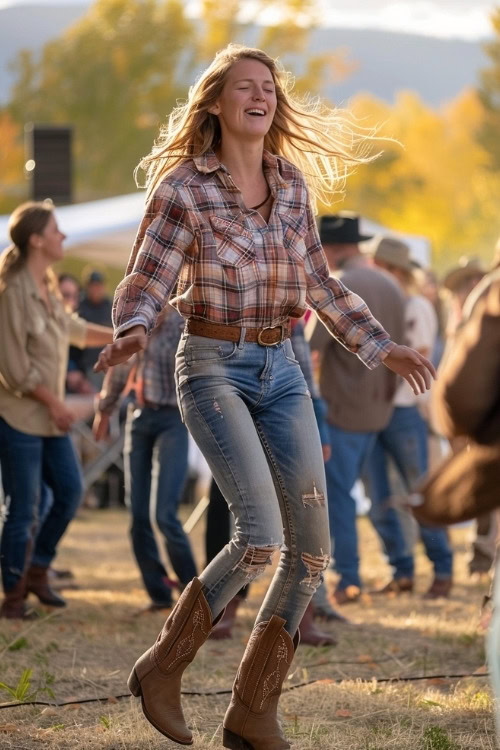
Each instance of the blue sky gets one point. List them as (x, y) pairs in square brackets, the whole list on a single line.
[(465, 19)]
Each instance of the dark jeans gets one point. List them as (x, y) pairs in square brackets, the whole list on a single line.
[(156, 453), (405, 441), (350, 452), (27, 461), (218, 531)]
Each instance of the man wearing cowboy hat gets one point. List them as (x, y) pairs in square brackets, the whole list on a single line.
[(405, 439), (359, 400)]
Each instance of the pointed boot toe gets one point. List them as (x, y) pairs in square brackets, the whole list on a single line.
[(157, 674)]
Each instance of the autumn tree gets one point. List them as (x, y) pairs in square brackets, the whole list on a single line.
[(434, 178), (489, 92), (113, 76), (289, 38), (12, 188), (117, 72)]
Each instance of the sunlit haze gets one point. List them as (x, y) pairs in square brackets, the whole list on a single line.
[(464, 19)]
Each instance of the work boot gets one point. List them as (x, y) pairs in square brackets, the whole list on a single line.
[(251, 721), (395, 587), (37, 582), (14, 606), (156, 676), (310, 634), (224, 627), (349, 595), (440, 587), (322, 609)]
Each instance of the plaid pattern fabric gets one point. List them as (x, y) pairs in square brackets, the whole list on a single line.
[(153, 369), (214, 259)]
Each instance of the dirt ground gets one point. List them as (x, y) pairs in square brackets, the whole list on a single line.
[(86, 652)]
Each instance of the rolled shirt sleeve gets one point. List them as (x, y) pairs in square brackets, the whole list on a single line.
[(344, 313), (18, 372), (162, 242)]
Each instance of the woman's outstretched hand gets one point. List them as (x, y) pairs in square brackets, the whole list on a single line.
[(413, 367), (122, 349)]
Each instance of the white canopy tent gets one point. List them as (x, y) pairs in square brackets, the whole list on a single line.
[(104, 230)]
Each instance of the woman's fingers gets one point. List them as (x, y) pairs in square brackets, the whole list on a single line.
[(411, 381), (417, 386), (119, 351), (429, 367), (102, 364)]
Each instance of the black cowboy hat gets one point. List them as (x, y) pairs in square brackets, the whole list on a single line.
[(341, 228)]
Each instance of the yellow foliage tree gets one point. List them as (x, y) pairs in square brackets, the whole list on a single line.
[(12, 189), (437, 181)]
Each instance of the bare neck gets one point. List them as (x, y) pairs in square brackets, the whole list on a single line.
[(243, 160), (37, 265)]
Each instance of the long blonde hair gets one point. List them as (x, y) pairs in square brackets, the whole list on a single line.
[(27, 219), (324, 143)]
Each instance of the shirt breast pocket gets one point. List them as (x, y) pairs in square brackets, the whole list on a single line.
[(235, 245), (36, 326), (294, 231)]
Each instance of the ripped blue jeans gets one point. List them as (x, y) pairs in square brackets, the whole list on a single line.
[(249, 410)]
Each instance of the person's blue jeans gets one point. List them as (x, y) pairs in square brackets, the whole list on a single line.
[(156, 457), (26, 462), (249, 409), (404, 440), (350, 452)]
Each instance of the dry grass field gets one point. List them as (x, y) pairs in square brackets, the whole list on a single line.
[(87, 650)]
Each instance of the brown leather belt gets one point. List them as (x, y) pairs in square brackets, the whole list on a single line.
[(268, 336)]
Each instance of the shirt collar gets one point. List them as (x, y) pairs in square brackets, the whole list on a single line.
[(29, 282), (282, 172)]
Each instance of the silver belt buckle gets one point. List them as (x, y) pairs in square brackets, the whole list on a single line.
[(271, 328)]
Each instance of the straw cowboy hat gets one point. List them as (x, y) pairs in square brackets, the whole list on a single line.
[(467, 268), (394, 252)]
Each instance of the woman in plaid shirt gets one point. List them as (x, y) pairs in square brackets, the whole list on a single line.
[(229, 238)]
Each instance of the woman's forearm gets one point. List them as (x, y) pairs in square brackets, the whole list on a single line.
[(41, 393), (98, 335)]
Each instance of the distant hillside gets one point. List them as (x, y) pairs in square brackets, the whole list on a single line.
[(388, 62), (30, 27)]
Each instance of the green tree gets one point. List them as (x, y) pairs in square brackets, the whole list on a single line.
[(113, 75), (119, 70), (489, 92)]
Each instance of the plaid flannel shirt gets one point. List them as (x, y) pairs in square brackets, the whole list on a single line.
[(200, 247), (153, 369)]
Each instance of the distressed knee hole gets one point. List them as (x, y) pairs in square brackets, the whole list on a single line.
[(255, 561), (314, 499), (315, 565)]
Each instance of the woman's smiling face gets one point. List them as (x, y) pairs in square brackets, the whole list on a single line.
[(247, 102)]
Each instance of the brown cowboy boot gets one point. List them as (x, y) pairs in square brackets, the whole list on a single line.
[(13, 606), (310, 634), (156, 676), (251, 721), (224, 628), (395, 587), (440, 587), (37, 582)]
